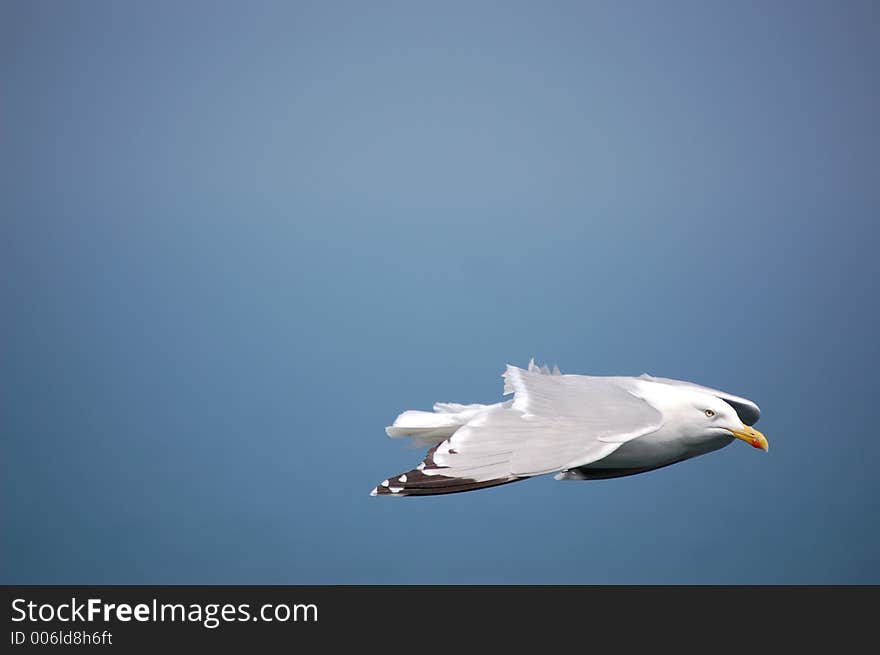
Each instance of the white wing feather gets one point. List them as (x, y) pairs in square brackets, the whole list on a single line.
[(555, 422)]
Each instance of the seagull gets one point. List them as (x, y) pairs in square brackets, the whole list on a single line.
[(581, 427)]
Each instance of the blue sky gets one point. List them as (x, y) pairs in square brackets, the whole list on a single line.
[(238, 239)]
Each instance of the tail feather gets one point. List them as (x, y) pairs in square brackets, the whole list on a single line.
[(430, 428)]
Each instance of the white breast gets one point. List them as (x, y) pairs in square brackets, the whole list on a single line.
[(659, 449)]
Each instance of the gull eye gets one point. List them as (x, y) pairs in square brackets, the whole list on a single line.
[(709, 413)]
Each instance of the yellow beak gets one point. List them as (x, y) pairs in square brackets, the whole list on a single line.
[(752, 436)]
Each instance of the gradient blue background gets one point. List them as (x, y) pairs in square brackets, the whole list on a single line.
[(238, 239)]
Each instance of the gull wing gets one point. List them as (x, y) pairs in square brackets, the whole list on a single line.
[(555, 422)]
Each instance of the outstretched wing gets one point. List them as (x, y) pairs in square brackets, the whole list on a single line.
[(555, 422)]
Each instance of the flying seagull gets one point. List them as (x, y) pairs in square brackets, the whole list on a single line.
[(583, 427)]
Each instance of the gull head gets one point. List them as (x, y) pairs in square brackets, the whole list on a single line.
[(701, 416), (710, 416)]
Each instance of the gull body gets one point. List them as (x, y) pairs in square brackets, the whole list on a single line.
[(676, 440), (580, 427)]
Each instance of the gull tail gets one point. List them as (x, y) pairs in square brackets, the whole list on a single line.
[(430, 428)]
